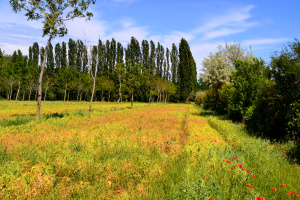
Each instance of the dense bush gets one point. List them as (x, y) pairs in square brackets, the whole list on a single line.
[(200, 97), (246, 82)]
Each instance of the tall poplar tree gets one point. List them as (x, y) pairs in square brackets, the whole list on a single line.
[(187, 71), (174, 64)]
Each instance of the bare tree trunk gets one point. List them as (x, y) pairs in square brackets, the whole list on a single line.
[(102, 96), (81, 95), (8, 96), (41, 79), (109, 96), (120, 94), (131, 98), (18, 92), (10, 92), (77, 95), (23, 95), (68, 95), (149, 97), (65, 94), (94, 85), (36, 93), (29, 94), (160, 97), (45, 94)]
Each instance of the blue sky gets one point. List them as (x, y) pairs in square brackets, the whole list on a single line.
[(265, 25)]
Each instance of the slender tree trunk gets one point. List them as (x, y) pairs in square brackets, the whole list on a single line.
[(8, 96), (18, 92), (149, 97), (68, 95), (23, 95), (81, 95), (109, 96), (36, 93), (160, 97), (77, 95), (166, 98), (41, 79), (102, 96), (94, 85), (120, 94), (131, 98), (65, 94), (45, 94), (10, 92), (29, 94)]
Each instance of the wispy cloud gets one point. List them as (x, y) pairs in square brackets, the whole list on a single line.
[(265, 41), (232, 22)]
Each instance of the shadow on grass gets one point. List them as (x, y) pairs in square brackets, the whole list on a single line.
[(16, 121), (291, 151), (294, 153)]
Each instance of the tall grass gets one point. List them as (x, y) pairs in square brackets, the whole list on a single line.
[(151, 152)]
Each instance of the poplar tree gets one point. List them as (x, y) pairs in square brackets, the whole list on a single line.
[(186, 71), (57, 56), (145, 54), (52, 14), (152, 57), (174, 64)]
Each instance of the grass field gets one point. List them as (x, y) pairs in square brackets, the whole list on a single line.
[(167, 151)]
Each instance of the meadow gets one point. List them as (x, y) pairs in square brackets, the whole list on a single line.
[(166, 151)]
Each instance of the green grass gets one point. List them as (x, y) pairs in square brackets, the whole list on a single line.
[(151, 152)]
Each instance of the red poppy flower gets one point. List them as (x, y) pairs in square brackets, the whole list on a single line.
[(291, 192), (248, 185), (232, 168), (212, 199), (248, 172), (228, 162), (260, 198), (243, 168), (254, 176), (252, 188), (297, 195), (287, 194), (272, 188), (211, 169), (228, 170), (206, 176), (165, 167), (282, 185), (274, 139), (119, 191), (234, 158), (223, 160)]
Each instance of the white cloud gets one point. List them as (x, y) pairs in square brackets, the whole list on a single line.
[(233, 22), (221, 32), (10, 48), (265, 41)]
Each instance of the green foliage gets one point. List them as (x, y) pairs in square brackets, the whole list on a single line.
[(247, 80), (187, 78), (200, 98)]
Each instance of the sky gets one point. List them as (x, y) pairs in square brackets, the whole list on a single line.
[(265, 25)]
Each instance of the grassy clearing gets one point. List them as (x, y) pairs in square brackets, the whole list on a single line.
[(156, 152)]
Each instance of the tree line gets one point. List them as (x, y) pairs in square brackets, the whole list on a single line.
[(245, 89), (138, 72)]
